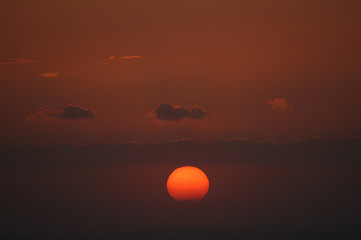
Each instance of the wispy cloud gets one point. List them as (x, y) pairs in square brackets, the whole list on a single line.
[(113, 59), (280, 105), (49, 74), (7, 61), (131, 57)]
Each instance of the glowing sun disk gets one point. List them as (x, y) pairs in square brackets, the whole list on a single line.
[(187, 183)]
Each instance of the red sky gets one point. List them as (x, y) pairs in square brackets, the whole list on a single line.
[(282, 70)]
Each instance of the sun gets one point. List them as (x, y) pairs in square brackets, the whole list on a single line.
[(187, 183)]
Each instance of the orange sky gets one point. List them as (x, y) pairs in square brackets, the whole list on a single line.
[(282, 70)]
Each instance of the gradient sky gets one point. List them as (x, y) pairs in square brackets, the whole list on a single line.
[(281, 70)]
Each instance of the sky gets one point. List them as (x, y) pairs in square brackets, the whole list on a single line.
[(115, 71)]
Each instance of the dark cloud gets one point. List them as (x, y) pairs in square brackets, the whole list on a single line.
[(167, 112), (68, 112), (76, 112)]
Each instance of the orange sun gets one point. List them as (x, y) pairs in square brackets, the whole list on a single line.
[(187, 183)]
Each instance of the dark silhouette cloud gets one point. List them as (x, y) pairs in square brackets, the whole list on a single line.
[(76, 112), (68, 112), (168, 112)]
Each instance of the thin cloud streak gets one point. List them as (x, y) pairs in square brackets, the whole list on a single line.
[(131, 57), (7, 61), (114, 59), (50, 74)]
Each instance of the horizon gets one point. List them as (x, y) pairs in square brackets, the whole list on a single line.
[(268, 141)]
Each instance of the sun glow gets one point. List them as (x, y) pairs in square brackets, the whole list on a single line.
[(187, 183)]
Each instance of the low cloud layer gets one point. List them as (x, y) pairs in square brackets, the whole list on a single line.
[(280, 105), (167, 112), (68, 112)]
